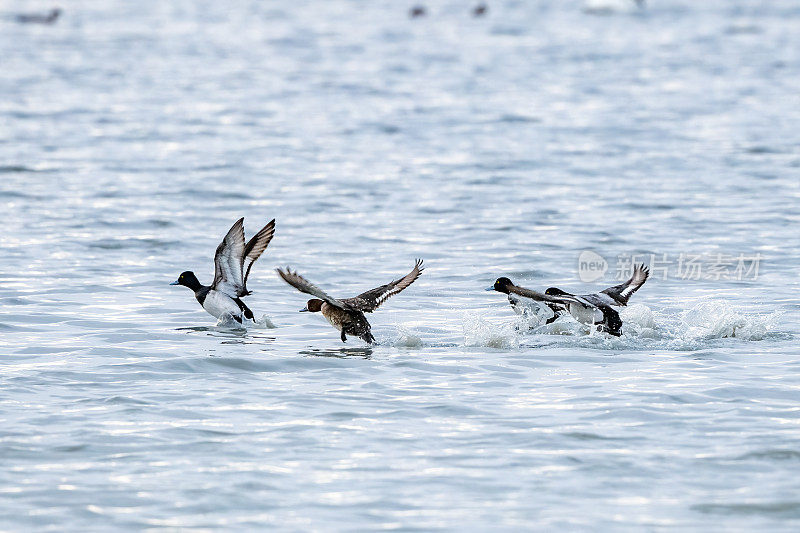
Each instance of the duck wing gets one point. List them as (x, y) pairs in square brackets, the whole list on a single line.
[(303, 285), (228, 277), (253, 250), (372, 299), (561, 299), (620, 293)]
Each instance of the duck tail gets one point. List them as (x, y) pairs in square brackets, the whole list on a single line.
[(613, 323)]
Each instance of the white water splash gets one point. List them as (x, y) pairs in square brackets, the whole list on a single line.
[(226, 321), (479, 332), (717, 320), (406, 338), (265, 322), (697, 327)]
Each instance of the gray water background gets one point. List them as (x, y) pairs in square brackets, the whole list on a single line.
[(133, 134)]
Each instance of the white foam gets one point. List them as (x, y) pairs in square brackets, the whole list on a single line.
[(638, 320), (565, 325), (696, 327), (479, 332), (406, 338), (715, 319), (226, 321), (264, 322)]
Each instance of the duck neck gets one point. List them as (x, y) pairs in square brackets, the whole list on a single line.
[(194, 284)]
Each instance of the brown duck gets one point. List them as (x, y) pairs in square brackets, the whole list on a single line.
[(347, 315)]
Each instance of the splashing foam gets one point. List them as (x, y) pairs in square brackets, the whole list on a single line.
[(639, 321), (405, 338), (690, 329), (717, 320), (264, 322), (227, 321), (479, 332)]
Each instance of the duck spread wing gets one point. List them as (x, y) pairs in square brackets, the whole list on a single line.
[(303, 285), (228, 277), (372, 299), (620, 293), (253, 250)]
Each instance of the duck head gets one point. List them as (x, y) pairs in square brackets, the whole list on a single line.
[(501, 285), (188, 279), (552, 291), (312, 306)]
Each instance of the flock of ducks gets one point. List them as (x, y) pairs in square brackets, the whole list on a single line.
[(234, 258), (594, 309)]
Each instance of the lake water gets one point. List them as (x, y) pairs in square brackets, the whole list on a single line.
[(133, 134)]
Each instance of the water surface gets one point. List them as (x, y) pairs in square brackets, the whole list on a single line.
[(132, 135)]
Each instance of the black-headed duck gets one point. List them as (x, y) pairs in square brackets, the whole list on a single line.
[(594, 311), (616, 296), (232, 262)]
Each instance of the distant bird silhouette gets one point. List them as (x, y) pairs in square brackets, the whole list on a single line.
[(480, 10), (38, 18), (417, 12)]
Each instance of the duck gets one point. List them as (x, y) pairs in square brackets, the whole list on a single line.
[(593, 309), (36, 18), (584, 311), (232, 263), (524, 306), (480, 10), (347, 315), (417, 12), (550, 311), (616, 296)]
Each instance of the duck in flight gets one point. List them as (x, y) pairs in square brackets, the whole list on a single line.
[(232, 262), (347, 315), (37, 18), (593, 309), (616, 296)]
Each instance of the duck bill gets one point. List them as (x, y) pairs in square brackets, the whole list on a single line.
[(304, 310), (489, 288), (175, 283)]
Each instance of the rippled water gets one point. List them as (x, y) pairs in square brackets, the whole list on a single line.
[(133, 134)]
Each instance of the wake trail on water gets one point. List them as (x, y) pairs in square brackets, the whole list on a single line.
[(693, 326)]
